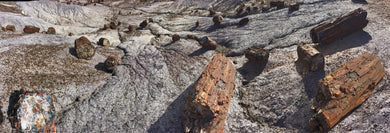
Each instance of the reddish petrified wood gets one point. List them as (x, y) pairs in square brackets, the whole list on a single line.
[(310, 57), (329, 32), (344, 89), (257, 54), (207, 103), (31, 29)]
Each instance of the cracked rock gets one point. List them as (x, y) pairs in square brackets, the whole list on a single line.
[(310, 57)]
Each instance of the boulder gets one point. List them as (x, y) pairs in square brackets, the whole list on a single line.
[(10, 27), (104, 42), (207, 42), (31, 29), (175, 37), (243, 21), (344, 89), (217, 19), (51, 30), (84, 48), (207, 103), (143, 24), (310, 57), (111, 62), (257, 54)]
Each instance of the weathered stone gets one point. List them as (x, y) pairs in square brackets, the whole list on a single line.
[(243, 21), (257, 54), (175, 37), (207, 42), (212, 11), (329, 32), (131, 28), (31, 29), (217, 19), (344, 89), (34, 112), (293, 7), (277, 4), (70, 34), (143, 24), (151, 20), (84, 48), (208, 101), (113, 25), (310, 57), (106, 26), (104, 42), (2, 28), (111, 62), (51, 30), (10, 27)]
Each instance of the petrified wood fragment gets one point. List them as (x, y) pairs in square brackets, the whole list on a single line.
[(31, 29), (344, 89), (329, 32), (207, 42), (84, 48), (257, 54), (207, 103), (309, 57)]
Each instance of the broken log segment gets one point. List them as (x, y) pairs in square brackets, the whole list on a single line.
[(207, 103), (344, 89), (257, 54), (310, 57), (329, 32)]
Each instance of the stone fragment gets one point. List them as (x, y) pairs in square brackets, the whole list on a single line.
[(344, 89), (329, 32), (113, 25), (265, 8), (207, 103), (151, 20), (143, 24), (293, 7), (131, 28), (257, 54), (111, 62), (175, 37), (34, 112), (51, 30), (243, 21), (106, 26), (197, 23), (277, 4), (104, 42), (207, 42), (31, 29), (84, 48), (2, 28), (217, 19), (10, 27), (70, 34), (212, 11), (310, 57)]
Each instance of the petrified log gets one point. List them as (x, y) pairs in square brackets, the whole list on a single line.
[(329, 32), (84, 48), (309, 57), (257, 54), (344, 89), (10, 27), (31, 29), (51, 30), (207, 103)]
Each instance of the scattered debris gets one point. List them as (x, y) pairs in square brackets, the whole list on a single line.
[(31, 29), (10, 27), (104, 42), (257, 54), (207, 42), (217, 19), (329, 32), (310, 57), (344, 89), (84, 48), (243, 21), (277, 4), (207, 103), (111, 62), (175, 37), (51, 30), (143, 24), (293, 7), (131, 28)]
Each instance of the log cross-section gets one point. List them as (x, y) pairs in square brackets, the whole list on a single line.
[(207, 104)]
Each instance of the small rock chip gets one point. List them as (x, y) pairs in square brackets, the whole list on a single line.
[(70, 34), (217, 19), (51, 30), (243, 21), (31, 29), (106, 26), (293, 7), (150, 20), (197, 23), (207, 42), (10, 27), (111, 62), (113, 25), (175, 37), (84, 48), (104, 42), (212, 11), (257, 54), (143, 24), (131, 28)]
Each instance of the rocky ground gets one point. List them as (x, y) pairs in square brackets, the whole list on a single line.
[(147, 91)]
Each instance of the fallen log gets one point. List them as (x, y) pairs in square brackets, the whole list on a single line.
[(207, 104), (329, 32), (344, 89)]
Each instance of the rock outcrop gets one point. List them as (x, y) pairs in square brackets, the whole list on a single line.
[(84, 48), (207, 103), (111, 62), (310, 57), (104, 42), (10, 27), (329, 32), (208, 43), (257, 54), (344, 89), (31, 29), (51, 30)]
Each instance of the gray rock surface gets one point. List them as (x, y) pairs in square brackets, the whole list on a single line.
[(146, 92)]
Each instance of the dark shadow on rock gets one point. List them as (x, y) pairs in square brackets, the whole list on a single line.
[(356, 39), (1, 116), (360, 1), (250, 70), (13, 107), (199, 52), (309, 79), (72, 51), (172, 119), (101, 67)]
